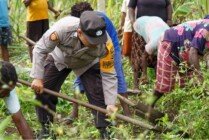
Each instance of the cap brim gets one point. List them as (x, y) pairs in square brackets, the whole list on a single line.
[(97, 40)]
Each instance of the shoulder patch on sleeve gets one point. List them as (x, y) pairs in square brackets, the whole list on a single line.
[(54, 36)]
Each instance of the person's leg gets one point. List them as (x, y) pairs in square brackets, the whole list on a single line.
[(144, 65), (166, 72), (79, 89), (5, 38), (92, 82), (5, 52), (45, 27), (125, 107), (74, 113), (30, 34), (53, 80), (35, 30), (13, 106), (22, 126)]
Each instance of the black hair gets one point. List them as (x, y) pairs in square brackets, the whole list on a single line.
[(7, 73), (79, 8)]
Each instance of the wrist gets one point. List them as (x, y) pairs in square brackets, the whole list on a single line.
[(111, 105), (39, 80)]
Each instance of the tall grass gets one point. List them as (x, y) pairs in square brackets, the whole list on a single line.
[(189, 9)]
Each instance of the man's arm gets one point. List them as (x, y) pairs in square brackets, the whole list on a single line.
[(122, 21), (109, 79), (197, 46), (193, 58), (13, 106), (194, 63), (22, 126), (169, 13), (44, 46), (132, 15), (57, 13), (123, 16), (131, 9)]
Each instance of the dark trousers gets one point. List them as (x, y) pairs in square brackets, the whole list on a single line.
[(53, 80), (35, 30)]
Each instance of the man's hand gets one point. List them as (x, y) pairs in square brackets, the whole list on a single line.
[(111, 109), (27, 2), (37, 85)]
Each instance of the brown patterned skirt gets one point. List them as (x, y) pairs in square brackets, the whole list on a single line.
[(138, 49)]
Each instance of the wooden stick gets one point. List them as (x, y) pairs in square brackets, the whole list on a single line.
[(133, 92), (28, 40), (144, 111), (119, 116)]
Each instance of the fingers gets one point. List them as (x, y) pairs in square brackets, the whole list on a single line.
[(111, 109), (37, 89), (37, 85)]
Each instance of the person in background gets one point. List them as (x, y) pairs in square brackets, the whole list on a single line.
[(5, 31), (160, 8), (125, 29), (37, 19), (8, 94), (78, 45), (180, 48), (151, 28), (77, 10)]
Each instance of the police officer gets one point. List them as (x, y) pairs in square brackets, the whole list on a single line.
[(75, 45)]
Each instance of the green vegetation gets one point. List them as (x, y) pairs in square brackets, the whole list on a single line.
[(190, 104)]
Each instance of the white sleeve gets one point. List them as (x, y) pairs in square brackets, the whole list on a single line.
[(12, 102), (124, 7)]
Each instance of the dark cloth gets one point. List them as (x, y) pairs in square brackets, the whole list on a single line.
[(35, 29), (188, 34), (5, 36), (92, 82), (151, 8), (53, 80)]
